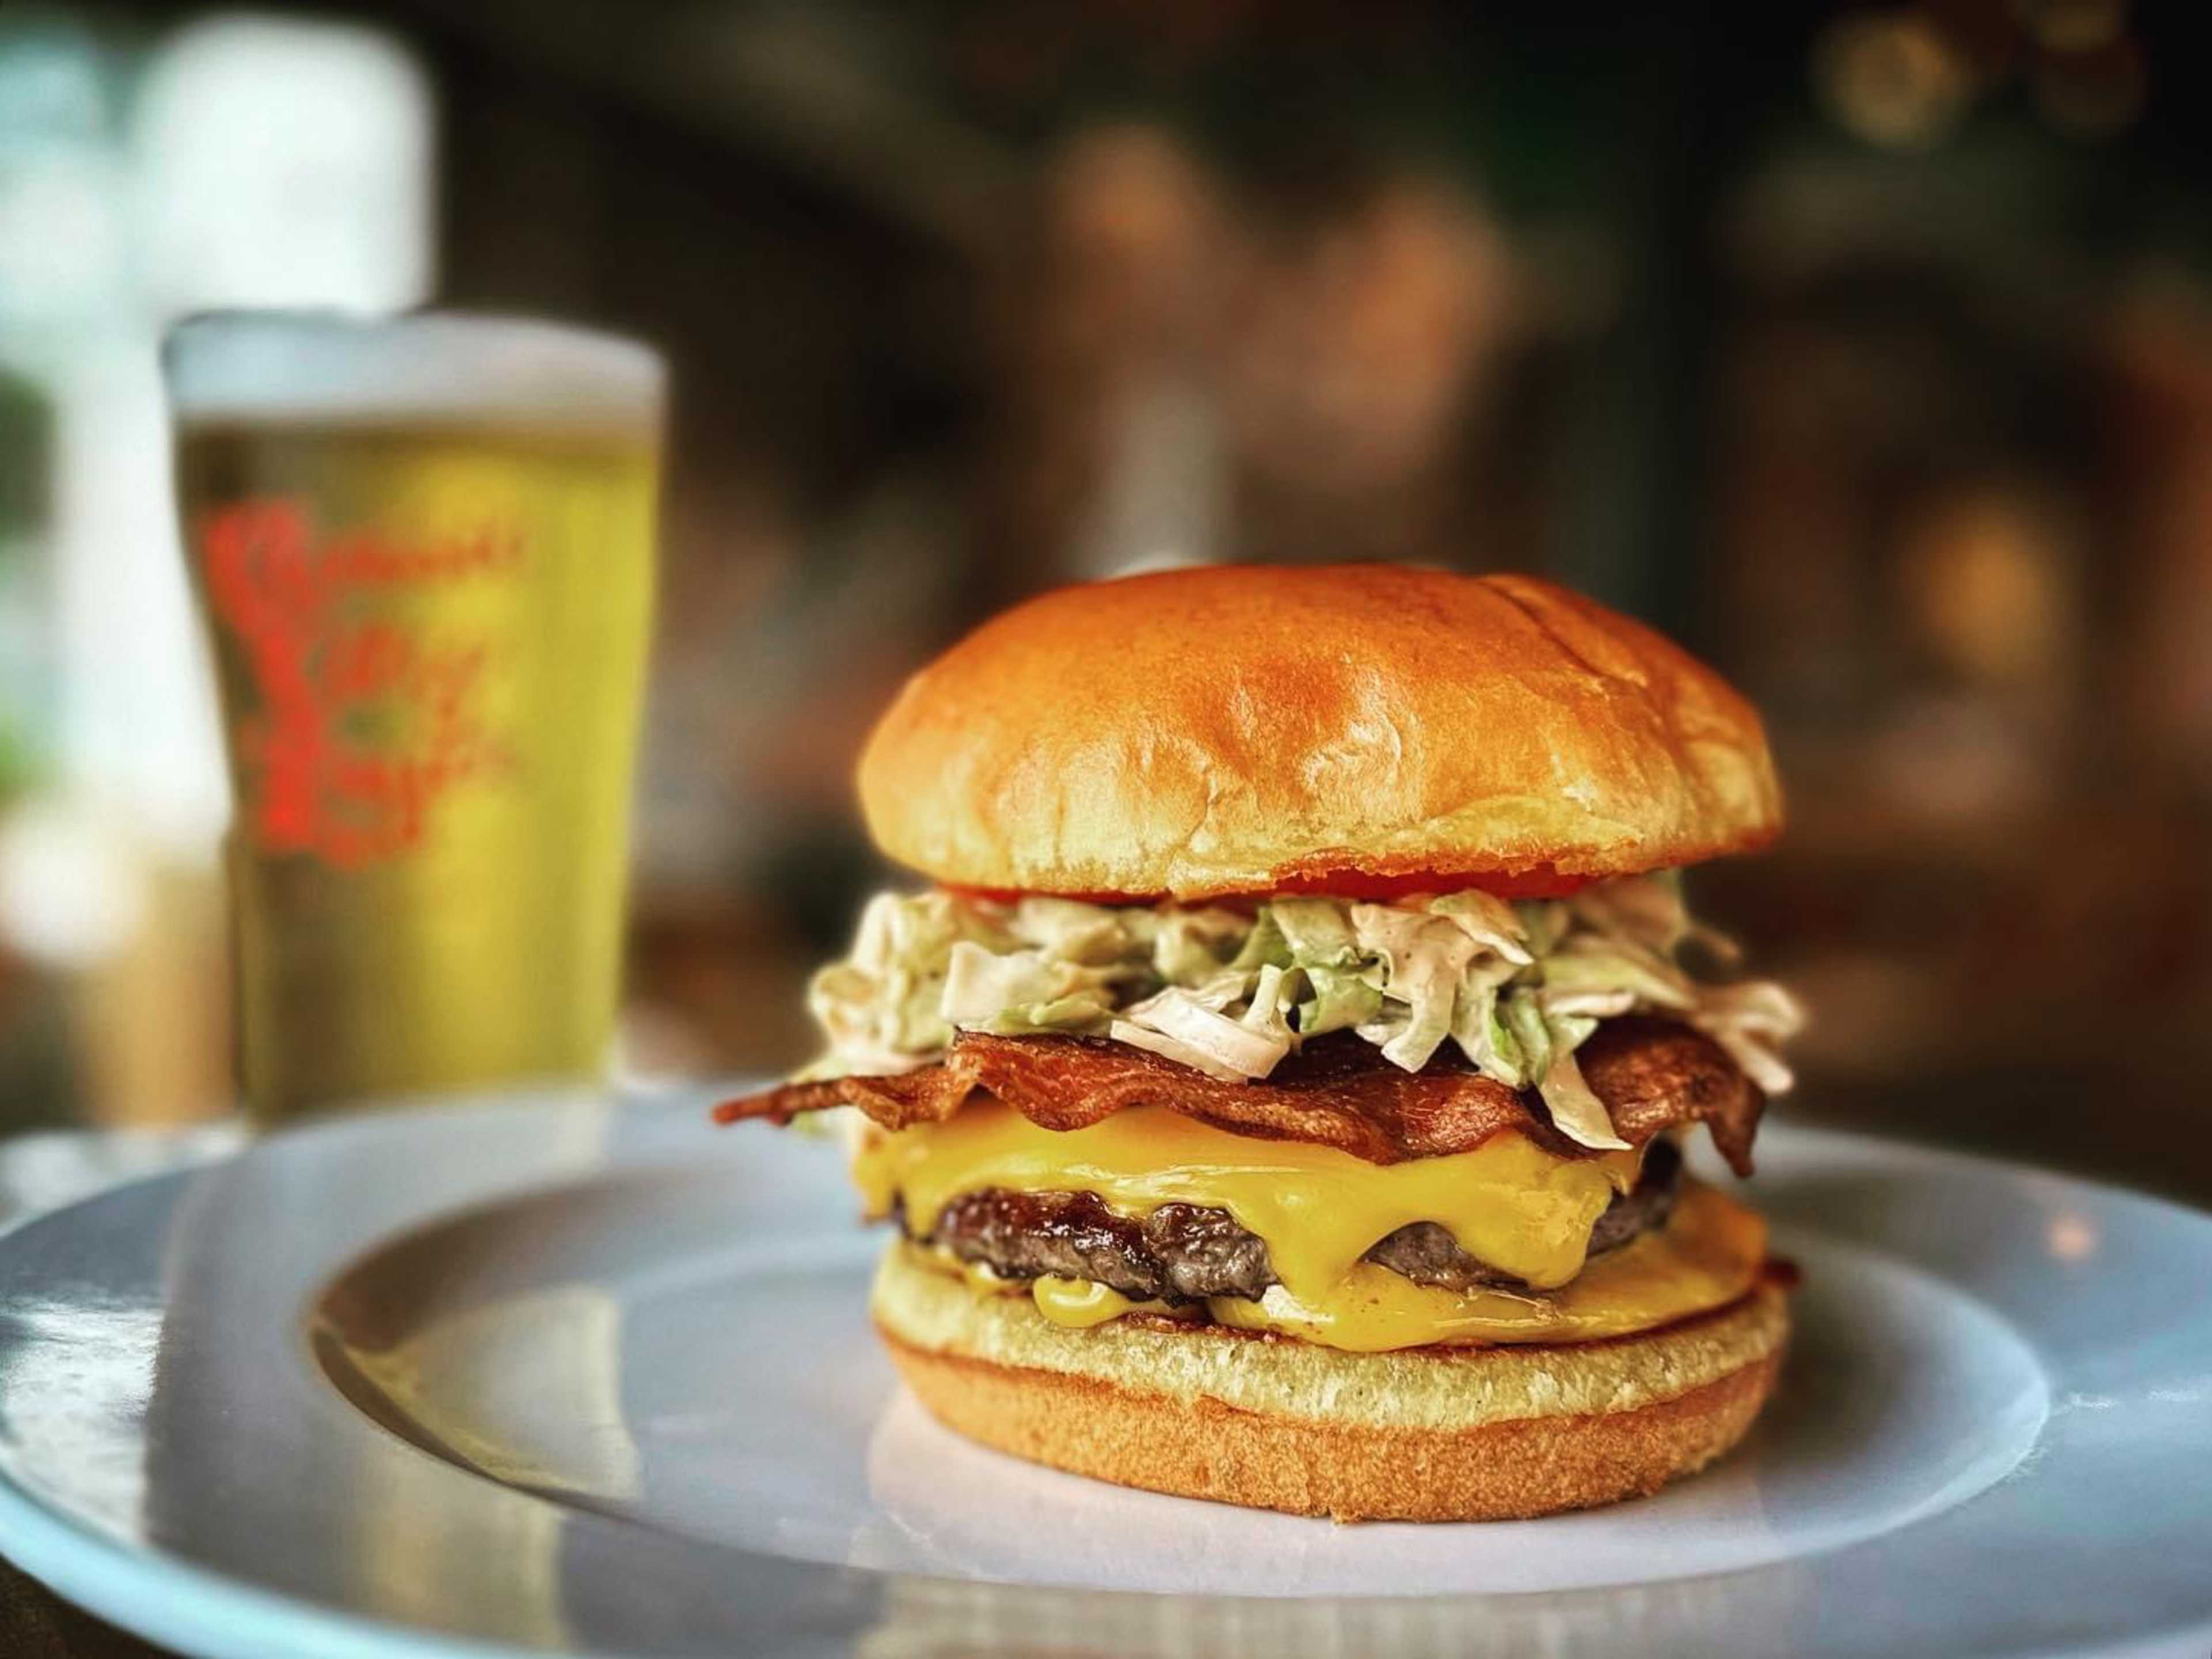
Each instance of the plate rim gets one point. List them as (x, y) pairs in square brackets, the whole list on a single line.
[(151, 1594), (205, 1612)]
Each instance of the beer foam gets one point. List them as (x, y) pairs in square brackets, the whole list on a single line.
[(441, 366)]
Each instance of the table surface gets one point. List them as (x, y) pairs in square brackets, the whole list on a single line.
[(36, 1624)]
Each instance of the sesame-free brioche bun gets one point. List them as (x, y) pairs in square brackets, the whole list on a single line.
[(1425, 1434), (1247, 729)]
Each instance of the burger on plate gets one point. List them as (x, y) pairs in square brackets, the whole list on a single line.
[(1279, 1088)]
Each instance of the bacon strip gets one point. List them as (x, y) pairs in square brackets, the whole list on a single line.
[(1653, 1074), (1338, 1091)]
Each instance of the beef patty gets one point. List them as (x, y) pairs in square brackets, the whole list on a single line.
[(1187, 1252)]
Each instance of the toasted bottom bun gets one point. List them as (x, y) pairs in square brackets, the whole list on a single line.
[(1425, 1434)]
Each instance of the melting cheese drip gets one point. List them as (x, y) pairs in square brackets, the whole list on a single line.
[(1510, 1204), (1081, 1303)]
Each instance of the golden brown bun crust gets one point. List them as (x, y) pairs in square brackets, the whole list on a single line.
[(1538, 1430), (1239, 729)]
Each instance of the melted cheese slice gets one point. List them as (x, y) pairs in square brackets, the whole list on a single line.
[(1707, 1255), (1510, 1204)]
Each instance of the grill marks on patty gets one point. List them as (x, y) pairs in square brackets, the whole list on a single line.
[(1187, 1252)]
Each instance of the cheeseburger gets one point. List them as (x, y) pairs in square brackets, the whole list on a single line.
[(1279, 1091)]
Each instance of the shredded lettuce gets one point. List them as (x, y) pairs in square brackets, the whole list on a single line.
[(1517, 986), (1176, 1024), (1752, 1019), (1423, 959), (1489, 922), (1318, 932), (1578, 1113), (1024, 991), (1193, 944)]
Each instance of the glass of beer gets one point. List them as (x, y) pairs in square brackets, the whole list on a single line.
[(424, 549)]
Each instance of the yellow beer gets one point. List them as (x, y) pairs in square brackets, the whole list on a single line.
[(429, 592)]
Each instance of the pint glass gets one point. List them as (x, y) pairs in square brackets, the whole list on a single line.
[(423, 550)]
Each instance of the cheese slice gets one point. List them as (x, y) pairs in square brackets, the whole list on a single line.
[(1707, 1255), (1510, 1204)]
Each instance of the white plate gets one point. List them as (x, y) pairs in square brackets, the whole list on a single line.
[(565, 1376)]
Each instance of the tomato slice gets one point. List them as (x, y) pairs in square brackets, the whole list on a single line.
[(1543, 882)]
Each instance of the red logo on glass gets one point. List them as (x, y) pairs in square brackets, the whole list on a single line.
[(364, 724)]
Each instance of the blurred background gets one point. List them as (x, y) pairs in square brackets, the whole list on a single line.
[(1867, 348)]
